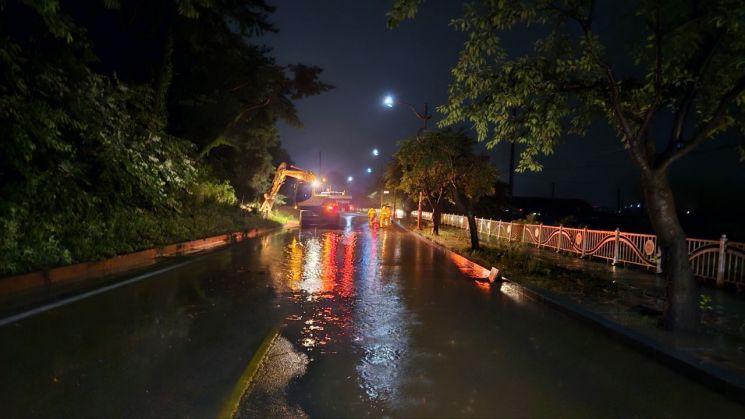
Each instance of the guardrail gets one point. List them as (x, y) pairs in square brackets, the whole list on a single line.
[(720, 260)]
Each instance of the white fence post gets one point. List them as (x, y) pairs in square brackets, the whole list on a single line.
[(499, 229), (584, 242), (509, 232), (540, 234), (616, 248), (722, 260)]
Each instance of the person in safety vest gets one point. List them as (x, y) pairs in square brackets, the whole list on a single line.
[(385, 216), (371, 215)]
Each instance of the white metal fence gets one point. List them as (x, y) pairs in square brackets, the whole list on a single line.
[(721, 260)]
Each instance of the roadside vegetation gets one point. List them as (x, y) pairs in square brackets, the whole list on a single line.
[(677, 83), (131, 124), (635, 307)]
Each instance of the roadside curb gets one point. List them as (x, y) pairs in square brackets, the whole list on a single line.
[(12, 286), (722, 381), (243, 386)]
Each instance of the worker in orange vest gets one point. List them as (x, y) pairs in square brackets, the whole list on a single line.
[(385, 216), (371, 215)]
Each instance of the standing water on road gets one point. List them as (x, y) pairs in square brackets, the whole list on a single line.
[(389, 326), (373, 322)]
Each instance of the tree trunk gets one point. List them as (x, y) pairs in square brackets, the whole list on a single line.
[(436, 210), (473, 230), (419, 213), (466, 206), (162, 80), (681, 312)]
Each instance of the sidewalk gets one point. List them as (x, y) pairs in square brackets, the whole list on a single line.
[(627, 303)]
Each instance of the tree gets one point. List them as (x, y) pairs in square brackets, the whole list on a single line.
[(104, 107), (678, 83), (424, 169), (443, 165), (471, 176)]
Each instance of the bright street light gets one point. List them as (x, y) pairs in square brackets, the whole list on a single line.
[(376, 152), (388, 101), (350, 178), (369, 170), (315, 184)]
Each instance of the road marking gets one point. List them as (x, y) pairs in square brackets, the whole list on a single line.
[(232, 403), (41, 309)]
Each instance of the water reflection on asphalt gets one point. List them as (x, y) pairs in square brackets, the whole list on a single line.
[(374, 323), (392, 326), (348, 293)]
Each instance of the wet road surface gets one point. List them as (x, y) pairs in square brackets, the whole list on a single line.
[(373, 323)]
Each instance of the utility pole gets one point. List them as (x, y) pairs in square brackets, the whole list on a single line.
[(424, 117)]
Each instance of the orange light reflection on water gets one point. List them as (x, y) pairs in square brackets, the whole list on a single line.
[(469, 268), (295, 268), (328, 272)]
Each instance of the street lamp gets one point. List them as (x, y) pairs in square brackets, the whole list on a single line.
[(369, 170), (375, 152), (350, 179), (315, 184), (389, 101)]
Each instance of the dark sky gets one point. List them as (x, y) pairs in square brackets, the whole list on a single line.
[(365, 60)]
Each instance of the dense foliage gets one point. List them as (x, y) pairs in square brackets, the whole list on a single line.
[(128, 124), (443, 166)]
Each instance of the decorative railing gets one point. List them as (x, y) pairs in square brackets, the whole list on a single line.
[(720, 260)]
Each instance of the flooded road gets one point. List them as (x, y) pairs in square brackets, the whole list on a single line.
[(372, 323)]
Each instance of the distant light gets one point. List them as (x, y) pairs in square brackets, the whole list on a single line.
[(369, 170), (386, 192), (400, 213), (315, 184), (375, 152), (350, 178), (688, 212), (323, 179), (638, 205), (388, 101)]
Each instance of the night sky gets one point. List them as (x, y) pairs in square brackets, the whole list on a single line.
[(365, 60)]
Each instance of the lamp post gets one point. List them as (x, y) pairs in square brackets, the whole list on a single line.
[(389, 101)]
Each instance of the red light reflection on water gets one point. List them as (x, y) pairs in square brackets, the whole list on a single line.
[(328, 271), (321, 283), (346, 288)]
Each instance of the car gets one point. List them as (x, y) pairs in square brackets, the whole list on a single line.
[(327, 214)]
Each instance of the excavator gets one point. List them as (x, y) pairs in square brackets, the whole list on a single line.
[(284, 171)]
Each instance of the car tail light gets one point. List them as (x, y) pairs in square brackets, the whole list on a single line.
[(351, 207)]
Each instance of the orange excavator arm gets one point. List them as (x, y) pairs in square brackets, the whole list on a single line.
[(283, 172)]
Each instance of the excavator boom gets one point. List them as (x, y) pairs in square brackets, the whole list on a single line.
[(283, 172)]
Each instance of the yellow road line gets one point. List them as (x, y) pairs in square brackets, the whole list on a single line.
[(231, 404)]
